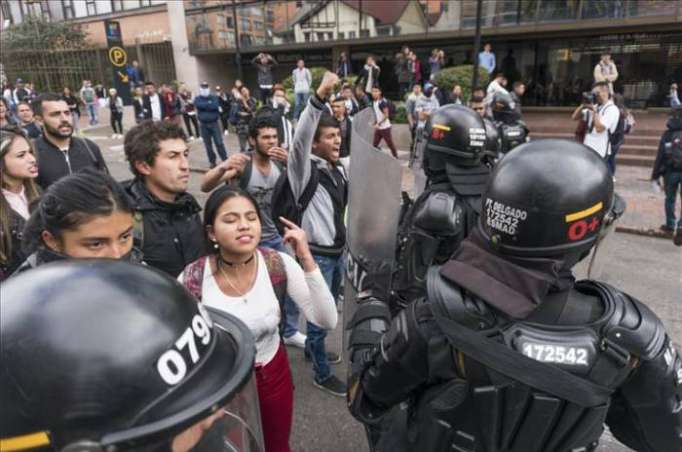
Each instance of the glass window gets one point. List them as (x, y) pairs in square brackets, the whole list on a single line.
[(364, 33), (5, 11), (320, 36), (597, 9), (117, 5), (551, 10), (351, 35), (306, 36), (67, 7), (244, 24), (652, 8), (91, 6), (258, 25), (342, 35), (230, 21)]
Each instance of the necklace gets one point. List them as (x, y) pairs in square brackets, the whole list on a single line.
[(239, 293), (232, 264)]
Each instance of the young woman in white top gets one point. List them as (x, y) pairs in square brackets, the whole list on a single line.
[(242, 279), (18, 170)]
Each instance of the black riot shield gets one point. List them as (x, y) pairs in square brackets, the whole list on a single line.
[(372, 217)]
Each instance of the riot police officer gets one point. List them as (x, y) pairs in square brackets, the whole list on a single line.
[(104, 355), (442, 216), (507, 352), (511, 128)]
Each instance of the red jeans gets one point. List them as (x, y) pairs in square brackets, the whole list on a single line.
[(386, 135), (276, 400)]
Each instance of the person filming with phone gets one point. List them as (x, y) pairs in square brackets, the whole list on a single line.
[(600, 115)]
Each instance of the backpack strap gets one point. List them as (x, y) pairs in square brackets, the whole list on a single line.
[(193, 277), (278, 278), (246, 175), (310, 189), (138, 229)]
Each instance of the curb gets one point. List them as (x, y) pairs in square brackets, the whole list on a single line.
[(644, 232)]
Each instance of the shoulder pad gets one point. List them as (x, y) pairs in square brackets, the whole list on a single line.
[(439, 212), (632, 325), (460, 306)]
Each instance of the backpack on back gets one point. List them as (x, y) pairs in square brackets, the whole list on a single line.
[(391, 109), (673, 150), (285, 205), (245, 177), (617, 137)]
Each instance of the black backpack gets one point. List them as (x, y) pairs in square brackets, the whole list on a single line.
[(284, 204), (618, 136), (673, 150)]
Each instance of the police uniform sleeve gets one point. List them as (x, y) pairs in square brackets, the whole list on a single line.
[(646, 411), (386, 373)]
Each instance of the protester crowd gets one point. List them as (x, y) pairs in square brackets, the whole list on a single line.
[(273, 227)]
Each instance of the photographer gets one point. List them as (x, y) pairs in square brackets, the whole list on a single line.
[(601, 117)]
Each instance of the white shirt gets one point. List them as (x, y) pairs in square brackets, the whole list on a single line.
[(260, 312), (599, 141), (17, 201), (155, 102), (380, 115)]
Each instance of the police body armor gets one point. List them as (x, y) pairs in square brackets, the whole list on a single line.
[(511, 135), (471, 408), (511, 128), (506, 353), (442, 216)]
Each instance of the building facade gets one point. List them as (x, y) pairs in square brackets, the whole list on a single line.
[(552, 45), (146, 35)]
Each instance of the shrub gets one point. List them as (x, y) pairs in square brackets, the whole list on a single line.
[(460, 75)]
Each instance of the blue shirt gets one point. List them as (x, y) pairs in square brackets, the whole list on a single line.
[(487, 60)]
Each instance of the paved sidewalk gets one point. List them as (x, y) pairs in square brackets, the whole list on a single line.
[(644, 213)]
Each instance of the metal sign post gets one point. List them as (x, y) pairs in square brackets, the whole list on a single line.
[(118, 58)]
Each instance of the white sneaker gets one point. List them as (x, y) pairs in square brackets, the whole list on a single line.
[(113, 137), (296, 340), (227, 133)]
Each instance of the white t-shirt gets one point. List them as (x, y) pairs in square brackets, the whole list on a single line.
[(155, 102), (260, 312), (599, 141), (380, 114)]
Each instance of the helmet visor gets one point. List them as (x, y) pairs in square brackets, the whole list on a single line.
[(234, 428), (601, 251)]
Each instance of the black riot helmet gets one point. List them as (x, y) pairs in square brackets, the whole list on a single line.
[(492, 140), (104, 355), (456, 135), (548, 198), (504, 107)]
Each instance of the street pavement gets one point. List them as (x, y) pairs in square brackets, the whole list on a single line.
[(648, 268)]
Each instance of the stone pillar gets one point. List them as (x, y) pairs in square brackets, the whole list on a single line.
[(186, 65)]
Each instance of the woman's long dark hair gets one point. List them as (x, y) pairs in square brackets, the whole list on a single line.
[(7, 136), (217, 199), (72, 201)]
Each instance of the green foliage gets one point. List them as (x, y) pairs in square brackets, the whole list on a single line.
[(36, 33), (460, 75), (400, 114)]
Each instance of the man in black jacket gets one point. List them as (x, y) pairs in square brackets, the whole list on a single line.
[(168, 228), (668, 165), (59, 153), (153, 104)]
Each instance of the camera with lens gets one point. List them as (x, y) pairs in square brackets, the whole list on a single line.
[(589, 98)]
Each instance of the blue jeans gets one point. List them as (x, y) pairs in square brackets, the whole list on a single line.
[(211, 131), (300, 103), (92, 113), (332, 270), (290, 308), (672, 183)]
